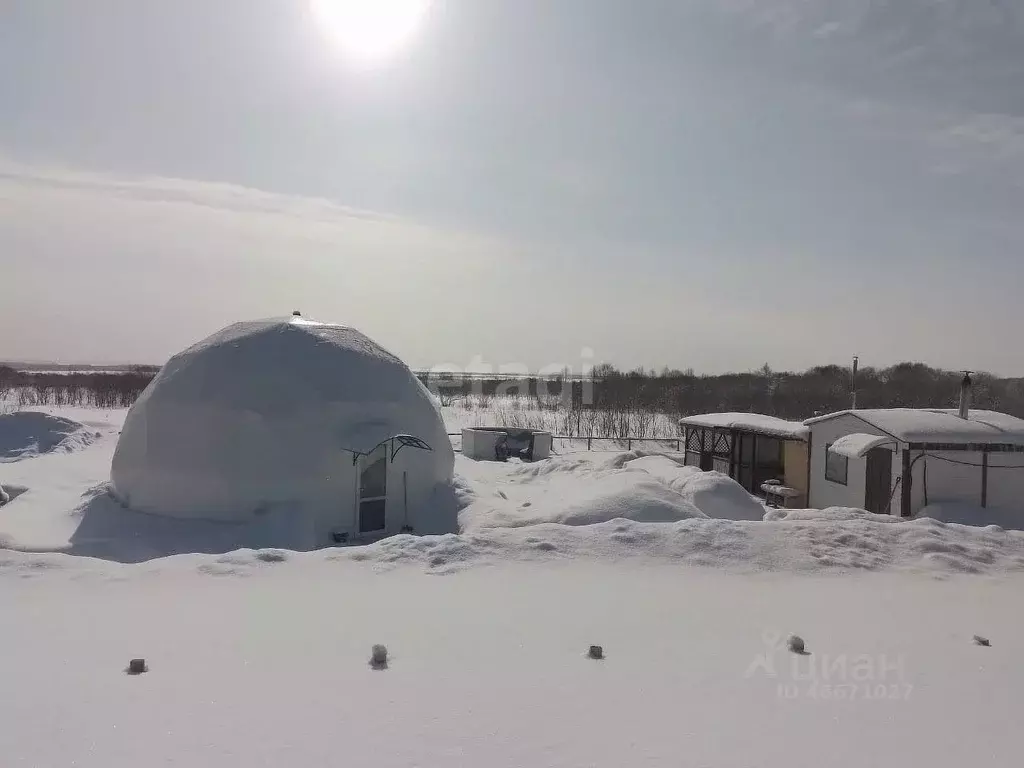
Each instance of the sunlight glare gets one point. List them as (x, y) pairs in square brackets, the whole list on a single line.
[(369, 30)]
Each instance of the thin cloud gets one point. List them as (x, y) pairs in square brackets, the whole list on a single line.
[(205, 194)]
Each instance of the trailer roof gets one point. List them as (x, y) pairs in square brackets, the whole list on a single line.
[(938, 425), (749, 422)]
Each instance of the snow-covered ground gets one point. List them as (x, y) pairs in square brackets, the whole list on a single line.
[(603, 504), (260, 656), (262, 660), (50, 471)]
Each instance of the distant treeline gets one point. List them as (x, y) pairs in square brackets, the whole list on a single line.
[(101, 390), (788, 395), (822, 389), (76, 367)]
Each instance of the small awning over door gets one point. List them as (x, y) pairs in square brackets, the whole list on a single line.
[(857, 445)]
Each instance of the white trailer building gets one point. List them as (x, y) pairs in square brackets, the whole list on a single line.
[(898, 461)]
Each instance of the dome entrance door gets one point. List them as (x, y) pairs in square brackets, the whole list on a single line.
[(373, 490)]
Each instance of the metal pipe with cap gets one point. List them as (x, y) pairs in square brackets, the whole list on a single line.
[(965, 396)]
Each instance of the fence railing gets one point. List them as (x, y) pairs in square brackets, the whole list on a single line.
[(676, 441)]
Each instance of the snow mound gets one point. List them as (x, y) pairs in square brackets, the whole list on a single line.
[(620, 498), (827, 515), (605, 496), (721, 497), (25, 434), (10, 492), (847, 538), (664, 467), (619, 506), (819, 546), (713, 493), (587, 490), (696, 541), (968, 514)]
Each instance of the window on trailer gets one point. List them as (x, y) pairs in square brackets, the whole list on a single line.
[(837, 468)]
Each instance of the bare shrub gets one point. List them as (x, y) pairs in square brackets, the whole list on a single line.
[(27, 397), (100, 390)]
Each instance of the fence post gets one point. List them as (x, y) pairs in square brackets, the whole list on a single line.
[(984, 478)]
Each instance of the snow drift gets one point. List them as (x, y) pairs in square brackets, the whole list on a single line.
[(586, 490), (969, 514), (601, 498), (799, 546), (25, 434), (827, 515), (713, 493)]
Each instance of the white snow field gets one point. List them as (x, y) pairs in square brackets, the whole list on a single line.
[(262, 659), (260, 656)]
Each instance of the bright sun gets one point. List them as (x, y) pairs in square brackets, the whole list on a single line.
[(369, 30)]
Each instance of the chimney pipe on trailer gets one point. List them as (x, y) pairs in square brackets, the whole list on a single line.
[(856, 362), (965, 396)]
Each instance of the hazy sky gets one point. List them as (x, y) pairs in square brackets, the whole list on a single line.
[(712, 184)]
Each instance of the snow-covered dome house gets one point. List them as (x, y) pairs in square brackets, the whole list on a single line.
[(311, 428)]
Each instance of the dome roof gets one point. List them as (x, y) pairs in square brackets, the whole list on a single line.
[(277, 365)]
